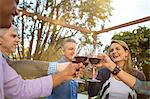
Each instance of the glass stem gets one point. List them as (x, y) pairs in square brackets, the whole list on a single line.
[(94, 72)]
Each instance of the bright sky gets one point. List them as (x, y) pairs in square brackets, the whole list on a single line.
[(125, 11)]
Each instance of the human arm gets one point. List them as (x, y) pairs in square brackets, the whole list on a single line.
[(140, 76), (67, 73), (141, 87), (30, 68), (16, 87), (33, 68), (130, 80)]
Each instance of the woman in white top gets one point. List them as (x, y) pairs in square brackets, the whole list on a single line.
[(113, 87)]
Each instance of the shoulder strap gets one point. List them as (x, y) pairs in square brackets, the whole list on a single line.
[(105, 88), (94, 88)]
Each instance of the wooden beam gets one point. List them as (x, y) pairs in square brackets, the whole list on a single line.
[(82, 29), (55, 22), (124, 25)]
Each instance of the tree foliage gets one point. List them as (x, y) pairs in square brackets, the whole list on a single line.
[(39, 37)]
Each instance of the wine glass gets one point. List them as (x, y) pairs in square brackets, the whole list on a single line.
[(80, 56), (94, 60)]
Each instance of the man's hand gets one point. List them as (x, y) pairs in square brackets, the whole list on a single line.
[(67, 74), (71, 70)]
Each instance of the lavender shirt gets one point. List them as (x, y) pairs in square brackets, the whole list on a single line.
[(14, 87)]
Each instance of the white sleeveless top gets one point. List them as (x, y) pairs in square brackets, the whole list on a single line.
[(117, 90)]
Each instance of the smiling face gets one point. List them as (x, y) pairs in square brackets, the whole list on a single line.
[(69, 50), (7, 11), (9, 41), (118, 54)]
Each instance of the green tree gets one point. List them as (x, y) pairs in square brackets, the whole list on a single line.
[(42, 38), (138, 41)]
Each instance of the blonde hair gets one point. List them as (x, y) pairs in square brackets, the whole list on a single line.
[(128, 66)]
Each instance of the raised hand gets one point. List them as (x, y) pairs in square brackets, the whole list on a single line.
[(71, 69), (105, 61)]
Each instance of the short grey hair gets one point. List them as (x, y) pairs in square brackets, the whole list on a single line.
[(66, 41), (4, 30)]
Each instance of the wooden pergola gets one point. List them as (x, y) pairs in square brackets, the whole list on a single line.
[(81, 29)]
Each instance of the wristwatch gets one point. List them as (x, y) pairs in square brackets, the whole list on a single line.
[(116, 70)]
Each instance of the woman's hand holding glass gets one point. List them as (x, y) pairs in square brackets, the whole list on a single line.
[(105, 61)]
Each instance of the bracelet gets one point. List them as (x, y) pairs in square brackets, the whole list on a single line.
[(116, 70)]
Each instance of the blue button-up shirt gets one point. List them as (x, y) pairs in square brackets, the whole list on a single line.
[(142, 87), (68, 89)]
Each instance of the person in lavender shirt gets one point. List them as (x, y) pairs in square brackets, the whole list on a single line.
[(26, 68), (14, 87), (11, 84)]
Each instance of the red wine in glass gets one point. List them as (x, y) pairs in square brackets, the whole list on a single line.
[(80, 59), (94, 60)]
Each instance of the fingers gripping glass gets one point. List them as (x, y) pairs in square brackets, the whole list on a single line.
[(94, 60), (80, 57)]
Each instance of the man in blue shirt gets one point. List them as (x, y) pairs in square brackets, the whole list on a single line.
[(68, 89)]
